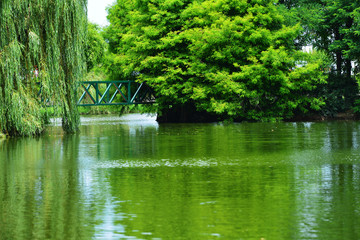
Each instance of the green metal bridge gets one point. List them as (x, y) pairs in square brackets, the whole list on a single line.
[(126, 92), (105, 93)]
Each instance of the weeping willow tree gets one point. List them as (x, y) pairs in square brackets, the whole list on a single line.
[(41, 44)]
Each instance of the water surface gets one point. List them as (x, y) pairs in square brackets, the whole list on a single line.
[(130, 178)]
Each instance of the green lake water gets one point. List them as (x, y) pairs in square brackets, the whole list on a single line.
[(130, 178)]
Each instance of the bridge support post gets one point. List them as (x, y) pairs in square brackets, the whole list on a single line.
[(97, 92), (107, 93), (129, 93)]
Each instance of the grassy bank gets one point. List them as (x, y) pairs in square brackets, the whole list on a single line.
[(109, 110), (100, 110)]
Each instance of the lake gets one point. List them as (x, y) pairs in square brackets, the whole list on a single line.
[(127, 177)]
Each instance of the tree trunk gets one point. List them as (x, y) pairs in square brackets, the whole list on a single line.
[(338, 53), (185, 113)]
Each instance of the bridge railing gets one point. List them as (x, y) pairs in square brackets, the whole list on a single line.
[(122, 92)]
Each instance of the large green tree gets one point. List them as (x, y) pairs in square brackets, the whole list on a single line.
[(48, 35), (232, 58)]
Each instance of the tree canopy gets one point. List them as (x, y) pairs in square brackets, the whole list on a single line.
[(232, 58), (332, 26), (46, 36)]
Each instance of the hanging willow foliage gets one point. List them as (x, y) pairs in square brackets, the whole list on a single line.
[(48, 35)]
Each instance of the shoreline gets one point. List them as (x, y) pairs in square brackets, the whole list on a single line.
[(345, 116)]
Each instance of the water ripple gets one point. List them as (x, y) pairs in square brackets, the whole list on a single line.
[(152, 164)]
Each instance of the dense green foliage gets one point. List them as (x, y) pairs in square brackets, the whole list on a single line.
[(235, 59), (332, 26), (95, 46), (338, 32), (50, 36)]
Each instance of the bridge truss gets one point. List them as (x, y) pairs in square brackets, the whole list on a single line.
[(105, 93), (125, 92)]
